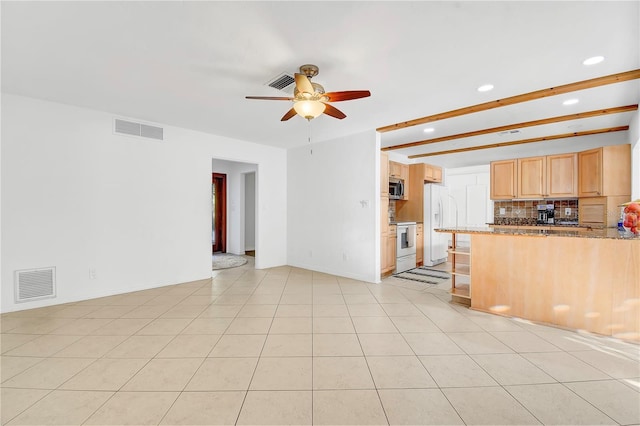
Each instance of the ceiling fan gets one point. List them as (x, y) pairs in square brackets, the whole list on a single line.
[(310, 100)]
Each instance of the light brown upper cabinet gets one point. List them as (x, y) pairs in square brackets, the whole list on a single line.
[(553, 176), (384, 174), (562, 175), (531, 173), (605, 171), (426, 173), (432, 173), (400, 171), (503, 179)]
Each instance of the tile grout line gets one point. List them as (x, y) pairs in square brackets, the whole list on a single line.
[(366, 360), (244, 399)]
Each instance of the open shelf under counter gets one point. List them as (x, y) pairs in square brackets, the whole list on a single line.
[(460, 250), (461, 290), (461, 270)]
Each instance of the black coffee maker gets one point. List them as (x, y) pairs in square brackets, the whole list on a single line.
[(546, 214)]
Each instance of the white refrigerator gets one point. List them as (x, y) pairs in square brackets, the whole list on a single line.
[(437, 214)]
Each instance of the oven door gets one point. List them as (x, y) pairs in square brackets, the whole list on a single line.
[(406, 242)]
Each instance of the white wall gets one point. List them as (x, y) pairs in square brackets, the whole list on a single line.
[(250, 211), (76, 196), (470, 186), (634, 140), (329, 228), (236, 220)]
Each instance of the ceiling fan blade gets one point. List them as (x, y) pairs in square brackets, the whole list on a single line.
[(334, 112), (269, 98), (303, 84), (347, 95), (288, 115)]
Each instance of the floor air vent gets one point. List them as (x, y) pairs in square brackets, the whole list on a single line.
[(282, 82), (137, 129), (34, 284)]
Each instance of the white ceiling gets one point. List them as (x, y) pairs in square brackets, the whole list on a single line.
[(191, 64)]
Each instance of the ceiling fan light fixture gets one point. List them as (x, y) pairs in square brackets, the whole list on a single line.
[(593, 60), (309, 109)]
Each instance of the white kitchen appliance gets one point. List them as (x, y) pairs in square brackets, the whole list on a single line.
[(405, 247), (437, 214)]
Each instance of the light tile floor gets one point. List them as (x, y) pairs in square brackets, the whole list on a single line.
[(291, 346)]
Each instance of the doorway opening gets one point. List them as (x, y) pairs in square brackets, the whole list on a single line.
[(219, 213), (236, 208), (250, 214)]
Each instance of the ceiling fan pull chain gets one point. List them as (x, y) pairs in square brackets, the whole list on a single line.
[(309, 137)]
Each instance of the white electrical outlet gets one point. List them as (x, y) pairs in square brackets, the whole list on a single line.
[(567, 211), (503, 210)]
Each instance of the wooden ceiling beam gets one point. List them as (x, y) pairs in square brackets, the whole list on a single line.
[(580, 115), (538, 94), (524, 141)]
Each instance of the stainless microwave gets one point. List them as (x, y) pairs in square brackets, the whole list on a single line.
[(396, 189)]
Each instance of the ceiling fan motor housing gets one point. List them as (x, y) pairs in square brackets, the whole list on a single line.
[(309, 70)]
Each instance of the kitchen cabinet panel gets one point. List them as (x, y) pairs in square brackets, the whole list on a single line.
[(387, 239), (531, 180), (390, 251), (384, 174), (562, 176), (412, 209), (384, 215), (590, 173), (503, 179), (552, 176), (605, 171), (432, 174), (600, 211), (398, 170)]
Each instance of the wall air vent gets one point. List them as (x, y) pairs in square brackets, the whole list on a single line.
[(35, 284), (282, 82), (132, 128), (509, 132)]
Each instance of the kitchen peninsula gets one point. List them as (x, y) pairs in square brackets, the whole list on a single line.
[(576, 279)]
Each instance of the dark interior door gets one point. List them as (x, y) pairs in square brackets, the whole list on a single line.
[(219, 209)]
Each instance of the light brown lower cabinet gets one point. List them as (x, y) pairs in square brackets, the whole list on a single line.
[(388, 250), (586, 283), (389, 259), (600, 211)]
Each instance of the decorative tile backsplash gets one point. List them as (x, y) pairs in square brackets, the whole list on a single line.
[(392, 210), (526, 212)]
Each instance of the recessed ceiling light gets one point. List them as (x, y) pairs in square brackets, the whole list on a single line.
[(593, 60), (485, 88), (570, 102), (429, 130)]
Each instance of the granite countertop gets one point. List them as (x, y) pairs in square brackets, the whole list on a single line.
[(611, 233), (548, 225)]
